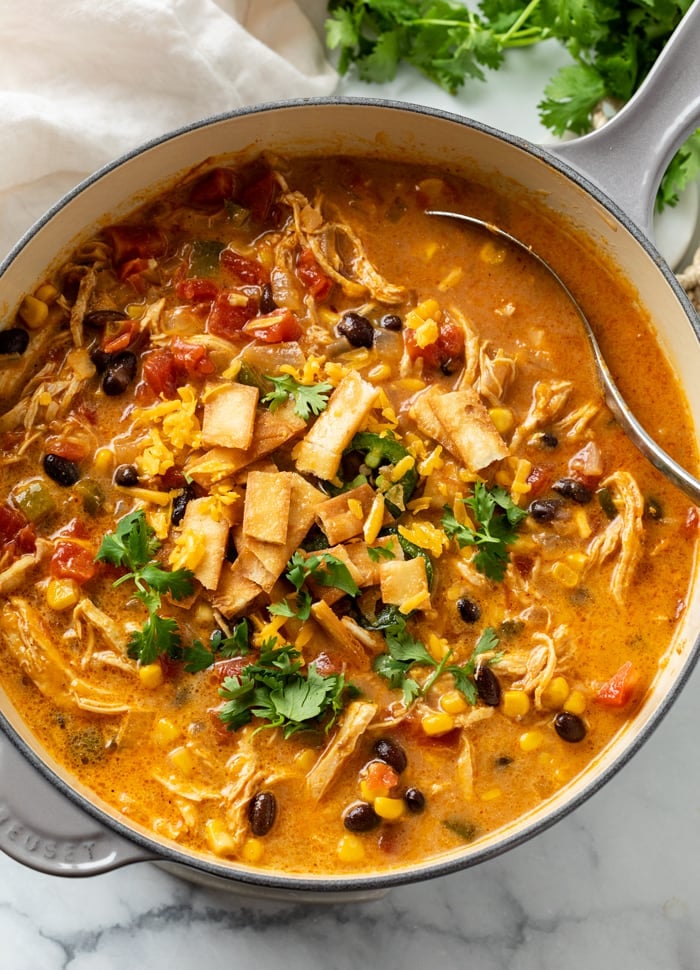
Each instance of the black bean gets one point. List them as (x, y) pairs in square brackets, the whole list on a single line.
[(101, 359), (356, 329), (100, 318), (573, 489), (262, 812), (127, 476), (120, 372), (569, 727), (503, 761), (390, 321), (544, 510), (267, 300), (180, 504), (14, 340), (450, 366), (468, 609), (392, 754), (61, 470), (549, 440), (360, 817), (487, 685), (414, 799)]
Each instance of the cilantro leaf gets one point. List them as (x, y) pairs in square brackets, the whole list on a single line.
[(275, 690), (132, 544), (159, 635), (308, 398), (497, 517)]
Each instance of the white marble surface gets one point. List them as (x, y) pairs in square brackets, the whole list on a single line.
[(614, 885)]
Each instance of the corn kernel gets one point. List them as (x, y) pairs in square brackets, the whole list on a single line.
[(503, 419), (437, 647), (427, 333), (490, 795), (516, 703), (492, 253), (565, 575), (582, 524), (520, 485), (430, 250), (555, 693), (62, 594), (218, 837), (165, 732), (379, 373), (390, 809), (575, 703), (531, 740), (436, 724), (453, 702), (47, 293), (252, 851), (350, 849), (577, 561), (306, 759), (182, 759), (103, 462), (452, 278), (151, 675), (33, 312)]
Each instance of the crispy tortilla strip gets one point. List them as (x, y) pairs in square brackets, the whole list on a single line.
[(469, 427), (366, 568), (267, 501), (229, 415), (332, 594), (337, 518), (235, 591), (270, 432), (321, 450), (344, 645), (405, 583), (212, 533), (356, 720)]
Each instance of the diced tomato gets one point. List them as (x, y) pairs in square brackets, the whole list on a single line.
[(312, 276), (380, 777), (231, 667), (197, 290), (76, 529), (17, 536), (214, 188), (173, 478), (244, 269), (277, 327), (72, 561), (618, 691), (226, 319), (132, 272), (259, 196), (68, 448), (124, 336), (326, 666), (136, 242), (448, 348), (539, 480), (167, 368)]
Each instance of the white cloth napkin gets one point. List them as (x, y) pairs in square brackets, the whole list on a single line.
[(82, 81)]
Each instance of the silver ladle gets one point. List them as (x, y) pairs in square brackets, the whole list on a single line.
[(660, 459)]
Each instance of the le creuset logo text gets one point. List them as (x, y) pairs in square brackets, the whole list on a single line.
[(18, 841)]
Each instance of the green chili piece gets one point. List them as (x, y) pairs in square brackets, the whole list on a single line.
[(204, 257), (34, 500)]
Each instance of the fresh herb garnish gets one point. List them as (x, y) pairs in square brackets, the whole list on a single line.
[(612, 45), (322, 568), (497, 516), (274, 690), (132, 546), (404, 651), (199, 657), (308, 398)]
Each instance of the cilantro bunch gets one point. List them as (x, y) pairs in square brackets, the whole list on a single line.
[(308, 398), (612, 46), (323, 568), (404, 652), (275, 690), (497, 517)]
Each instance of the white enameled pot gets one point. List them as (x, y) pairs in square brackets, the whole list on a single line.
[(603, 184)]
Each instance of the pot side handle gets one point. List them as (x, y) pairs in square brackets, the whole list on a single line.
[(628, 156), (42, 829)]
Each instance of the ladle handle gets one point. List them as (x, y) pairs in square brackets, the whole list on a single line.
[(628, 156)]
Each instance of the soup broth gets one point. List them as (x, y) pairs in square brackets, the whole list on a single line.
[(321, 551)]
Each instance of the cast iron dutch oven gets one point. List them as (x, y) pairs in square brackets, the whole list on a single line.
[(603, 184)]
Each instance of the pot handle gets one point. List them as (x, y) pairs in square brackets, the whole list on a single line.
[(42, 829), (627, 157)]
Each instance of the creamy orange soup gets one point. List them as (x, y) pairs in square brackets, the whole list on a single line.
[(320, 549)]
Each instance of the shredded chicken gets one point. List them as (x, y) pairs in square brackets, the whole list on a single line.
[(356, 720), (495, 374), (14, 575), (548, 399), (624, 533)]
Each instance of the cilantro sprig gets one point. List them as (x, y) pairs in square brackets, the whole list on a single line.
[(497, 517), (275, 690), (324, 569), (405, 652), (133, 546), (612, 46), (308, 398)]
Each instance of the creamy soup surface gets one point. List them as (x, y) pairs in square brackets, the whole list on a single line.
[(320, 550)]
